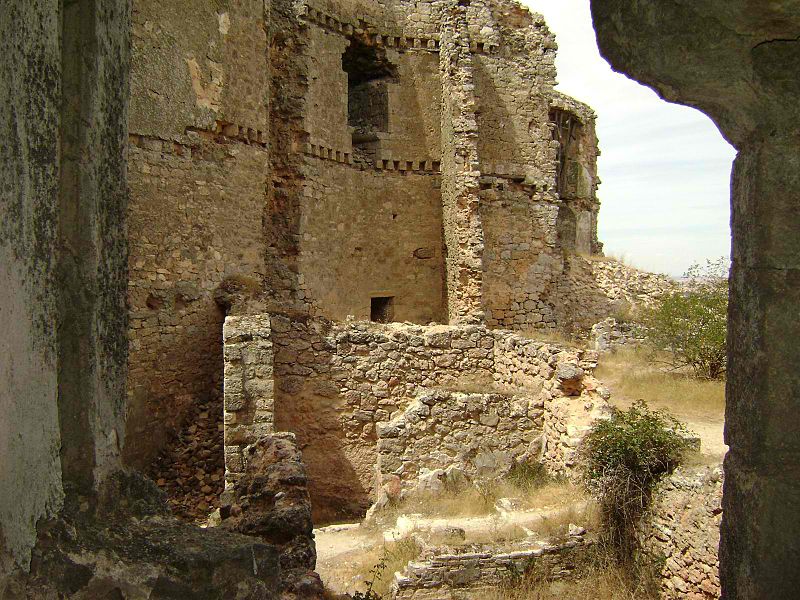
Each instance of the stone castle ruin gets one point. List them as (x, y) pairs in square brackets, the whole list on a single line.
[(290, 254), (387, 162)]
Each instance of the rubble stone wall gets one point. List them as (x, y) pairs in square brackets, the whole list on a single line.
[(473, 574), (479, 435), (595, 288), (682, 534), (335, 385)]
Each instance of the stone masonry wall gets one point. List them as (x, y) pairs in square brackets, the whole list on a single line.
[(571, 398), (198, 174), (335, 383), (480, 435), (681, 534), (593, 289), (471, 574), (243, 167)]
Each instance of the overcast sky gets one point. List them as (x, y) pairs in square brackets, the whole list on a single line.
[(665, 169)]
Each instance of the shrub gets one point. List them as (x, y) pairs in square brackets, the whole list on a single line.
[(691, 325), (623, 458)]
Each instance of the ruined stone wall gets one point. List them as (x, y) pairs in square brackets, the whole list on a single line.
[(333, 384), (368, 234), (370, 226), (463, 232), (681, 534), (571, 399), (573, 126), (480, 435), (471, 574), (199, 171), (522, 262), (244, 169), (594, 289)]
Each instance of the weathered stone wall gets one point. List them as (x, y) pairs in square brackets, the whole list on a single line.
[(338, 385), (561, 380), (29, 126), (471, 574), (368, 234), (576, 178), (62, 256), (609, 334), (478, 434), (199, 172), (681, 534), (595, 288), (247, 166)]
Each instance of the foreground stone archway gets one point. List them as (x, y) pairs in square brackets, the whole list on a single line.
[(735, 60)]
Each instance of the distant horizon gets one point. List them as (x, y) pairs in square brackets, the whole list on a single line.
[(664, 168)]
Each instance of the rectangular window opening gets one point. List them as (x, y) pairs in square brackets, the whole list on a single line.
[(381, 309)]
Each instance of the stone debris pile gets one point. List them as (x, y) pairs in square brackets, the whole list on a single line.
[(191, 470)]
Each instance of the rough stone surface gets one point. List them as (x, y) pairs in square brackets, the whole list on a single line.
[(270, 501), (321, 155), (62, 257), (72, 524), (610, 334), (371, 402), (681, 533), (472, 571), (734, 61), (129, 546)]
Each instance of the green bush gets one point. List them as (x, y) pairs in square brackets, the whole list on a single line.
[(623, 458), (691, 325)]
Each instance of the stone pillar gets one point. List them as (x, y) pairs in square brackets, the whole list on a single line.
[(63, 113), (760, 546), (249, 389), (463, 232), (736, 60), (92, 256)]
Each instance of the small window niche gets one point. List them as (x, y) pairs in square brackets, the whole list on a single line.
[(381, 309), (369, 73), (567, 130)]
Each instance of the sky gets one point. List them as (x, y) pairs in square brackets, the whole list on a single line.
[(665, 169)]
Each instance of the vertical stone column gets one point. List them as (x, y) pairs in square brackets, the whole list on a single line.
[(759, 550), (63, 117), (463, 233), (92, 268), (249, 389)]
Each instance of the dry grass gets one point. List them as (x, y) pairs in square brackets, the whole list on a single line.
[(607, 584), (555, 528), (530, 487), (498, 533), (380, 564), (597, 576), (550, 336), (632, 375)]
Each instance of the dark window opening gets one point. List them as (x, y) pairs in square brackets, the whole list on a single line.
[(369, 73), (566, 130), (381, 309)]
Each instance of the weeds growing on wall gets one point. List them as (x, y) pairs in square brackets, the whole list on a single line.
[(623, 458), (691, 325)]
